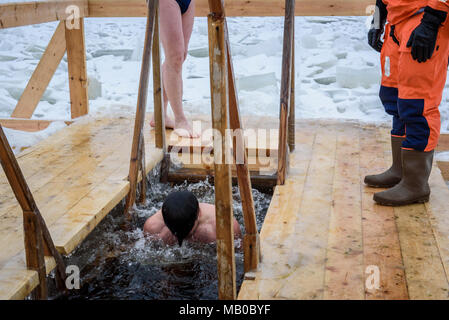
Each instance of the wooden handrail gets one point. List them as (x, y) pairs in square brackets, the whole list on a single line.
[(35, 12), (251, 245), (158, 96), (286, 89), (235, 8), (138, 144)]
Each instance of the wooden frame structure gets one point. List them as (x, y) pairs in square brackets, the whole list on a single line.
[(38, 241), (225, 109)]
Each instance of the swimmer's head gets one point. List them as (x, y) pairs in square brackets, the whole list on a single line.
[(180, 211)]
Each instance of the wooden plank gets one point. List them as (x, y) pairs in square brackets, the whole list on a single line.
[(291, 111), (437, 211), (34, 249), (443, 143), (92, 184), (254, 8), (158, 97), (74, 226), (28, 125), (42, 75), (195, 175), (222, 183), (16, 284), (306, 280), (251, 244), (444, 167), (55, 157), (295, 231), (76, 60), (33, 226), (344, 275), (93, 167), (141, 106), (280, 253), (286, 83), (381, 246), (424, 271), (17, 14)]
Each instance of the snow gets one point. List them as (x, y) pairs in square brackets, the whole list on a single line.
[(337, 73)]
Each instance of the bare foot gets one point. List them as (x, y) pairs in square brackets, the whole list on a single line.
[(169, 123), (184, 129)]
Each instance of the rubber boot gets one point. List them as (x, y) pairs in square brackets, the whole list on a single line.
[(414, 186), (392, 176)]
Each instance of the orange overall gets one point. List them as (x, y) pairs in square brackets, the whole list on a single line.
[(411, 91)]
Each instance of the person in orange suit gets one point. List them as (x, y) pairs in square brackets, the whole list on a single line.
[(414, 60)]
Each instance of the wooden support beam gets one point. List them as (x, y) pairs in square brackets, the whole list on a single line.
[(223, 188), (251, 240), (18, 14), (191, 149), (76, 60), (159, 112), (181, 175), (286, 83), (34, 252), (141, 107), (249, 8), (36, 235), (42, 75), (28, 125), (291, 113), (143, 172)]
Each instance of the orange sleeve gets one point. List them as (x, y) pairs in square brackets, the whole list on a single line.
[(442, 5)]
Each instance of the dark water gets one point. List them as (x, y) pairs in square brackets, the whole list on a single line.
[(117, 261)]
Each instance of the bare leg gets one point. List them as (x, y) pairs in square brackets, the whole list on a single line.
[(169, 122), (173, 41)]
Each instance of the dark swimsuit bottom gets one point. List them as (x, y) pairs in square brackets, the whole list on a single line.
[(184, 5)]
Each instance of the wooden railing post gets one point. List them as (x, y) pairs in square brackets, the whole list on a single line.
[(137, 144), (37, 238), (222, 181), (159, 112), (286, 83), (291, 115), (34, 252), (76, 60), (251, 245)]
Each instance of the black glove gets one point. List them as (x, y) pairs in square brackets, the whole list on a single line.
[(424, 38), (377, 26)]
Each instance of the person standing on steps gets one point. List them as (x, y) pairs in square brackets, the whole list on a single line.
[(414, 61), (176, 25)]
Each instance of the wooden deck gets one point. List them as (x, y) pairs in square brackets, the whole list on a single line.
[(77, 176), (323, 230)]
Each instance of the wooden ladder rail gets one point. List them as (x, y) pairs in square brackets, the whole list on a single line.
[(138, 145), (159, 112), (287, 123), (225, 115), (37, 238), (251, 242)]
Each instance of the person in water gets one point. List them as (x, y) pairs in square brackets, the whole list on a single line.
[(182, 217), (176, 25)]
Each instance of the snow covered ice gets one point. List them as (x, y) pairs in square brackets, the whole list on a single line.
[(337, 73)]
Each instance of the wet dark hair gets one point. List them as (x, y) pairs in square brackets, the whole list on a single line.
[(180, 211)]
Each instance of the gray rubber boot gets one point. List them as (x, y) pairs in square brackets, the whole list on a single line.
[(414, 186), (392, 176)]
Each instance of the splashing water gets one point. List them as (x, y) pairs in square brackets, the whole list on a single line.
[(118, 261)]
